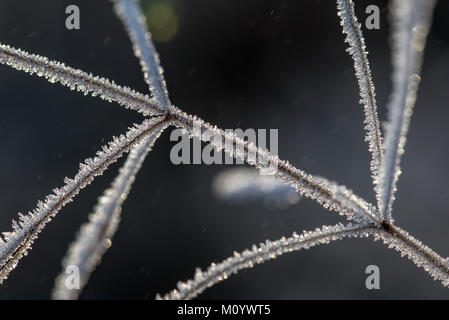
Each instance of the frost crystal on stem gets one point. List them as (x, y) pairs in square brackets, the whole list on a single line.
[(411, 23), (306, 184), (17, 242), (357, 50), (259, 254), (316, 188), (95, 236), (135, 23), (424, 257), (355, 208), (78, 80)]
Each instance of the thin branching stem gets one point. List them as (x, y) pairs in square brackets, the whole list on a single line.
[(411, 23), (94, 237), (130, 13), (357, 50), (393, 236), (262, 253), (316, 188), (75, 79), (308, 185), (19, 241), (423, 256)]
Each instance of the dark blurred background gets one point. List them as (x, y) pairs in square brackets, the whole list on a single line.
[(238, 64)]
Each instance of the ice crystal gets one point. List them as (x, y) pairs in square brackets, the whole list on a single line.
[(17, 243), (423, 256), (308, 185), (95, 236), (130, 13), (357, 50), (259, 254), (411, 24), (354, 207), (78, 80)]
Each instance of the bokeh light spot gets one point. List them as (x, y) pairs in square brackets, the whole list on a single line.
[(162, 21)]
